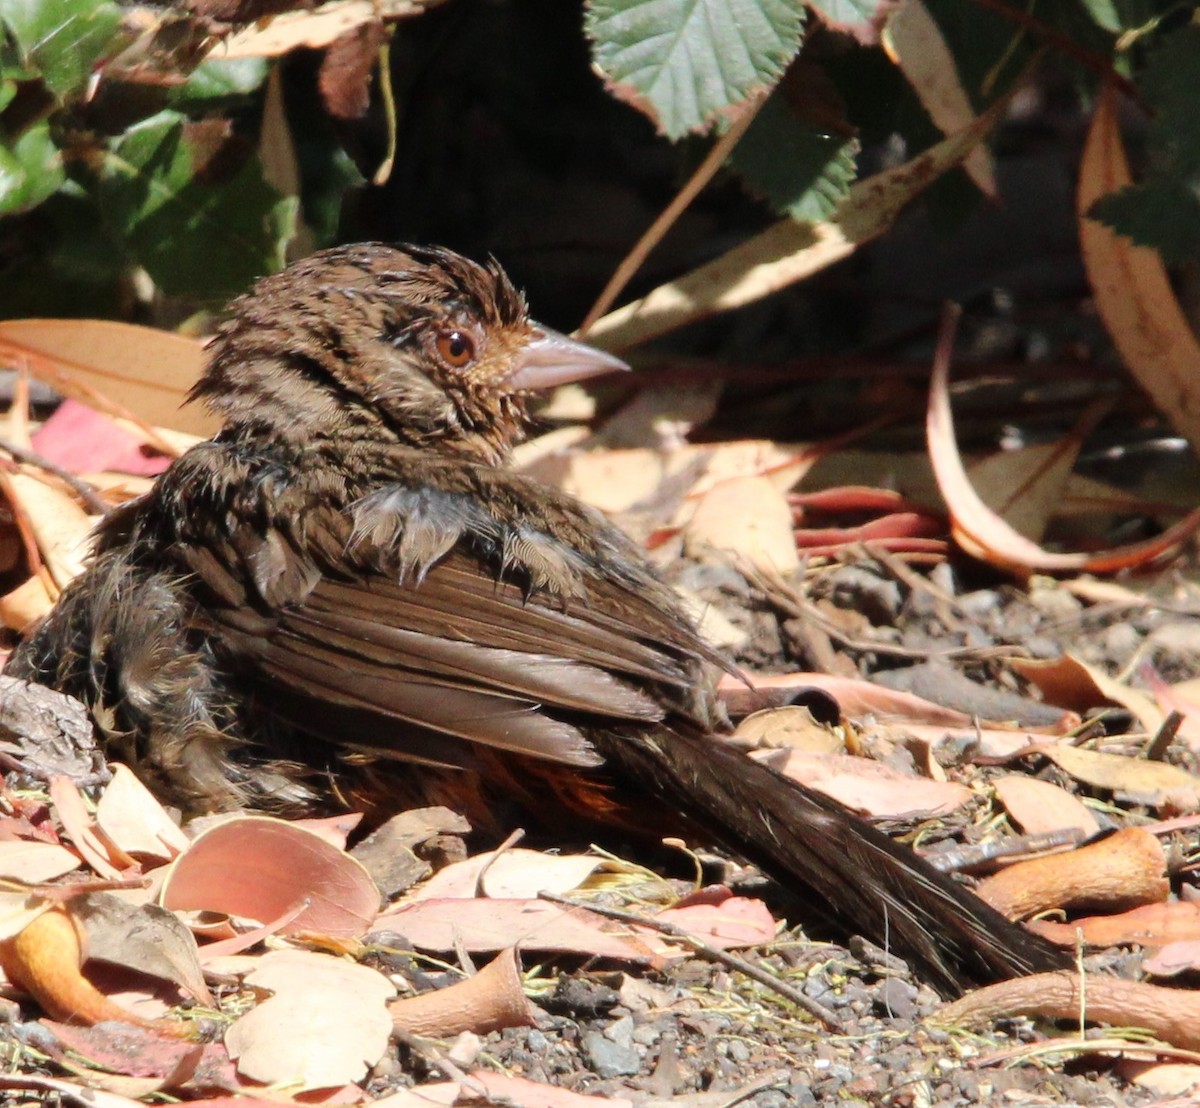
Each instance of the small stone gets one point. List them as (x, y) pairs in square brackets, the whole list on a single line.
[(620, 1031), (739, 1051), (609, 1059)]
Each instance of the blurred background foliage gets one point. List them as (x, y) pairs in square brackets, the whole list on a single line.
[(156, 158)]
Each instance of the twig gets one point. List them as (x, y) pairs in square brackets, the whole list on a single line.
[(632, 261), (86, 492), (713, 954), (1164, 736)]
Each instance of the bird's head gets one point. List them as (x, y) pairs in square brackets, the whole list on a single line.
[(374, 343)]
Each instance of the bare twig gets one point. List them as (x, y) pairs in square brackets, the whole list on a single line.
[(713, 954), (86, 492)]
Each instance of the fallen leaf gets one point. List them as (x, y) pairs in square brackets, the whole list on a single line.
[(1040, 807), (870, 788), (490, 1000), (35, 862), (131, 817), (744, 518), (258, 868), (1158, 782), (326, 1023), (125, 370), (486, 925)]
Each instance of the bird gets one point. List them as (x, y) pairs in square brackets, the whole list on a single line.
[(346, 598)]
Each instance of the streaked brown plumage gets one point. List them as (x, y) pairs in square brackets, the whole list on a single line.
[(344, 597)]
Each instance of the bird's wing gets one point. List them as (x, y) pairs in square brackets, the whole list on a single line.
[(423, 669)]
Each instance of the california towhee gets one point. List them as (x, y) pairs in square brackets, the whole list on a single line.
[(344, 599)]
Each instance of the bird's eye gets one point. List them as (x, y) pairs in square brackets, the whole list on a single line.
[(455, 348)]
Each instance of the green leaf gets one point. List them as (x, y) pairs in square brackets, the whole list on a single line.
[(221, 79), (31, 169), (63, 40), (684, 61), (196, 239), (1163, 209), (801, 172)]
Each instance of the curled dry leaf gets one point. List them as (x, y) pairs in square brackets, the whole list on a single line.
[(507, 874), (985, 535), (45, 959), (491, 1000), (1040, 807), (1124, 870), (258, 868), (99, 853), (1071, 683), (137, 373), (790, 726), (324, 1025), (1152, 926), (1173, 1015)]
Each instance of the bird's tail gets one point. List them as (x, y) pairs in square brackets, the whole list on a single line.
[(853, 874)]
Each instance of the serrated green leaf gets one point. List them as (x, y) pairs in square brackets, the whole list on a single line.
[(800, 171), (62, 40), (1163, 209), (31, 169), (195, 239), (685, 61), (850, 13)]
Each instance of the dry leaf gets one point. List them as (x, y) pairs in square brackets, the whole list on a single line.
[(34, 862), (60, 526), (1158, 782), (483, 925), (746, 518), (29, 601), (869, 787), (491, 1000), (326, 1023), (1041, 807), (122, 369), (132, 818), (1133, 291), (259, 868), (1071, 683), (914, 42), (790, 726)]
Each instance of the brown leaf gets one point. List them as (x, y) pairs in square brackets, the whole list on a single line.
[(139, 373), (1133, 291), (258, 868), (1040, 807), (325, 1024)]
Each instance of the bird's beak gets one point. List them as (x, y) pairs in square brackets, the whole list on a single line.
[(551, 359)]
